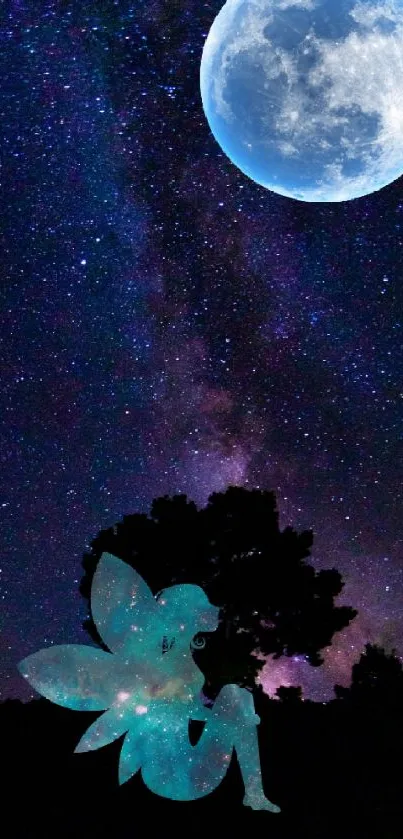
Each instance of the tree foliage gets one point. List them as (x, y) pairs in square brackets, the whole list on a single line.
[(289, 694), (377, 680), (272, 600)]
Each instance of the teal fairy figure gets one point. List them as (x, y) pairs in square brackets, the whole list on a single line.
[(150, 687)]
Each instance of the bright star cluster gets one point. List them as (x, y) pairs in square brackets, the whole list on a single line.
[(169, 326)]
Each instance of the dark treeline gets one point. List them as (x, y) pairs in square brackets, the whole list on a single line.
[(335, 769)]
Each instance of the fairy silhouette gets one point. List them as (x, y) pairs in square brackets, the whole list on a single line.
[(150, 687)]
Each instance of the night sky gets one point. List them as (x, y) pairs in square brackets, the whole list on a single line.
[(169, 326)]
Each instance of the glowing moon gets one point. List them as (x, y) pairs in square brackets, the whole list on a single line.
[(306, 96)]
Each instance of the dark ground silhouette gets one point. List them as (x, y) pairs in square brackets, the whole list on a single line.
[(334, 769)]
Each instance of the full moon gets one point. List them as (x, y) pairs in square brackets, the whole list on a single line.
[(305, 97)]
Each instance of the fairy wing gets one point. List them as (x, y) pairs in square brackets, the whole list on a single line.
[(72, 675), (87, 678), (123, 607), (130, 622)]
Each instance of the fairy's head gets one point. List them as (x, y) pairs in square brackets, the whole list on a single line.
[(186, 611)]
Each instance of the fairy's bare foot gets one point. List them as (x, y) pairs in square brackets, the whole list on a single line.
[(260, 803)]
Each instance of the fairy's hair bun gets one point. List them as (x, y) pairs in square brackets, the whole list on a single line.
[(197, 643)]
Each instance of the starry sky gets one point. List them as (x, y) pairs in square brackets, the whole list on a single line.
[(167, 325)]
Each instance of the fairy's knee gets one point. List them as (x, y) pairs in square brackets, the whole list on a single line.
[(235, 695), (237, 703)]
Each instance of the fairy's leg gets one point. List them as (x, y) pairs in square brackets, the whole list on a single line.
[(175, 769), (247, 752), (170, 765), (237, 709)]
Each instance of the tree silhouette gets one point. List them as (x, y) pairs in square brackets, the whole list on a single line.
[(272, 600), (377, 680), (290, 694)]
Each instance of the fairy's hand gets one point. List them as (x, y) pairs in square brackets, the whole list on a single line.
[(199, 712)]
